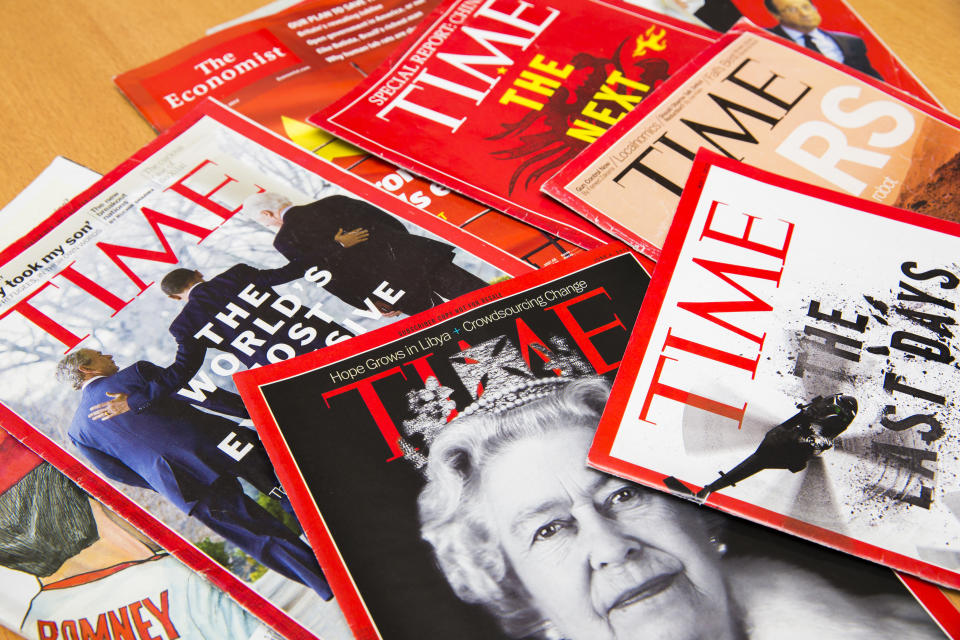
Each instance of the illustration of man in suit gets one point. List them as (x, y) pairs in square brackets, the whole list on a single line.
[(366, 250), (191, 457), (236, 312), (800, 22), (89, 564)]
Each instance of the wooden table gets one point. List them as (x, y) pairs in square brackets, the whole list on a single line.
[(60, 56)]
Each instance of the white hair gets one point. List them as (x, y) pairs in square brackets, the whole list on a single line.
[(264, 201)]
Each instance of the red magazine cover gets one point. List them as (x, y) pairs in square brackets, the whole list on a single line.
[(438, 466), (793, 365), (758, 98), (72, 568), (219, 246), (828, 27), (281, 68), (500, 94)]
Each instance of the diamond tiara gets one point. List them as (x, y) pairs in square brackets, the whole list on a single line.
[(499, 378)]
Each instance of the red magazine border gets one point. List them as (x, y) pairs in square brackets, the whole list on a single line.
[(936, 602), (600, 455)]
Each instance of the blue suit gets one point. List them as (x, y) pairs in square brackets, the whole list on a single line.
[(172, 448)]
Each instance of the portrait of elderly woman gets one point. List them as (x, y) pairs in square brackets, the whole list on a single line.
[(553, 549)]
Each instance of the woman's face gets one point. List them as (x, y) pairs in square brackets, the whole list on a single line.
[(602, 558)]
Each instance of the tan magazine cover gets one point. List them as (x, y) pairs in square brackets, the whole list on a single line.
[(756, 99)]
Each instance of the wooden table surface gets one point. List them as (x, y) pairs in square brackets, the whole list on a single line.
[(60, 56)]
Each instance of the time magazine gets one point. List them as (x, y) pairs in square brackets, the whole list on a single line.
[(438, 467), (281, 68), (762, 100), (501, 94), (795, 365), (218, 247)]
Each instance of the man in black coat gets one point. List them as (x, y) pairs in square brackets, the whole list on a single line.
[(800, 22), (369, 253)]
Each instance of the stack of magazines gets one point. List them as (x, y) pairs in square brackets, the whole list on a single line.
[(570, 320)]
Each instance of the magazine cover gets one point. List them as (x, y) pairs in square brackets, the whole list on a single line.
[(73, 568), (95, 558), (438, 466), (790, 373), (761, 100), (827, 27), (279, 69), (50, 190), (523, 86), (218, 247)]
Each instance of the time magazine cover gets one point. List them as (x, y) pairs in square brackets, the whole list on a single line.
[(218, 247), (439, 468), (827, 27), (50, 528), (764, 101), (65, 557), (503, 93), (795, 366), (73, 568), (281, 68)]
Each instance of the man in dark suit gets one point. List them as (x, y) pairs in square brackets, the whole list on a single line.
[(800, 22), (237, 312), (191, 457), (375, 254)]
